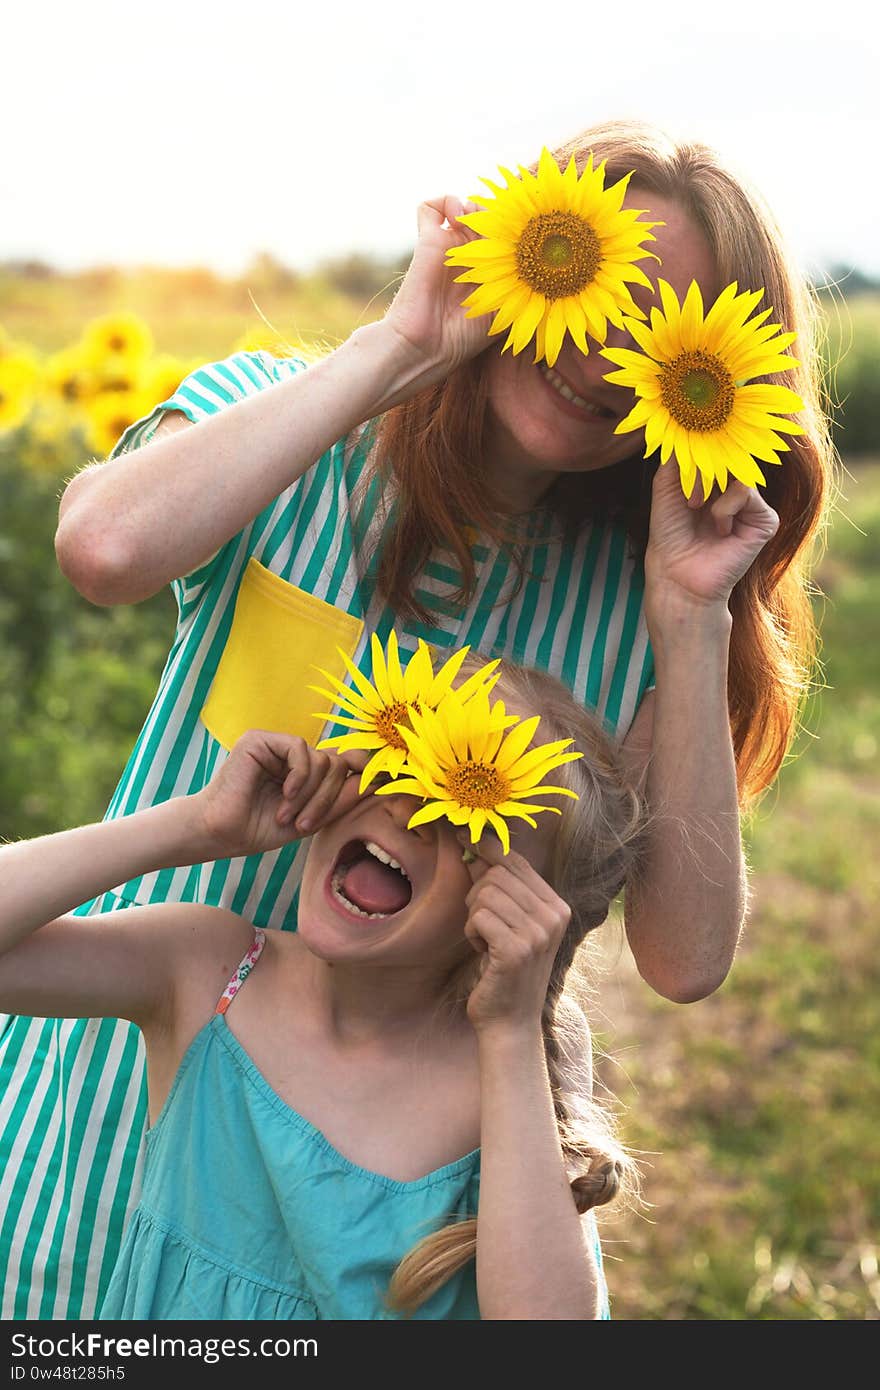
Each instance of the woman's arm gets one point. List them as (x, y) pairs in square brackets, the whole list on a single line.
[(129, 526), (534, 1260), (685, 913)]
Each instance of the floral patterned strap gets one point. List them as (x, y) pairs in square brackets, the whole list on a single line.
[(242, 972)]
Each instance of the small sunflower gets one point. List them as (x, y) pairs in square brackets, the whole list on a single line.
[(474, 768), (18, 385), (555, 254), (118, 375), (109, 416), (161, 377), (69, 377), (379, 710), (692, 382), (117, 336)]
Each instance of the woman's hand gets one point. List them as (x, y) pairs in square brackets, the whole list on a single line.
[(516, 922), (697, 550), (426, 313), (274, 788)]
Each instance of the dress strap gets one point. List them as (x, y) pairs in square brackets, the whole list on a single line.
[(244, 969)]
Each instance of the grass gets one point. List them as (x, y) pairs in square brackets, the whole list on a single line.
[(756, 1109)]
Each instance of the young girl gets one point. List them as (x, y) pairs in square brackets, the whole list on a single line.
[(330, 1114)]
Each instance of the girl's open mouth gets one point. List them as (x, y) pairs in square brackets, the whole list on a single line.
[(368, 882)]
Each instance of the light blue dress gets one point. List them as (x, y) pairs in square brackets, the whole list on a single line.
[(248, 1212)]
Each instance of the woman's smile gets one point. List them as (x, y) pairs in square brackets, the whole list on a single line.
[(580, 407)]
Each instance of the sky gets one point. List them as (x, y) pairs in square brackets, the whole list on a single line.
[(204, 133)]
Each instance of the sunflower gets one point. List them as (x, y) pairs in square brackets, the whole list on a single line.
[(116, 336), (474, 768), (691, 379), (555, 253), (378, 711), (18, 384), (109, 416), (69, 377), (161, 377)]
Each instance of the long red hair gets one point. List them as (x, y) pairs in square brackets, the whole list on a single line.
[(432, 447)]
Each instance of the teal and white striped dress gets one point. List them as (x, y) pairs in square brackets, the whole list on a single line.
[(72, 1102)]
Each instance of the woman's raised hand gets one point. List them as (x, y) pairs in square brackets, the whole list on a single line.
[(426, 314), (516, 921), (274, 788), (697, 550)]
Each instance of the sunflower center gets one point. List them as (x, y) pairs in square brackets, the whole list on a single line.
[(477, 785), (558, 254), (391, 715), (698, 390)]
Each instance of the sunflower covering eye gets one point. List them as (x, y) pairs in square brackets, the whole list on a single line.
[(468, 759), (376, 711), (692, 379), (556, 254), (475, 770)]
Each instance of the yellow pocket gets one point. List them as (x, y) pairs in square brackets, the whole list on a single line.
[(279, 635)]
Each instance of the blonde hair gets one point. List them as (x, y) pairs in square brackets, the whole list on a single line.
[(433, 444), (597, 848)]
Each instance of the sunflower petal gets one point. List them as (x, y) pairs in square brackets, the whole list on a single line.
[(432, 811)]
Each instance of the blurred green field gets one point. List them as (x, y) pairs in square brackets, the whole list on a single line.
[(195, 313), (756, 1109)]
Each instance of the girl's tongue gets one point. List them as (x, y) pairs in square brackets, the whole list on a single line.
[(375, 887)]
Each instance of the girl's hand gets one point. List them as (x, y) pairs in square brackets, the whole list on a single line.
[(426, 313), (517, 922), (698, 549), (272, 789)]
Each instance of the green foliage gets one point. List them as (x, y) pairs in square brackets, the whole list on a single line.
[(852, 354), (757, 1108), (76, 681)]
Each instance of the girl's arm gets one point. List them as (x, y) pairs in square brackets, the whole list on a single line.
[(130, 525), (57, 965), (535, 1257), (123, 964), (685, 913)]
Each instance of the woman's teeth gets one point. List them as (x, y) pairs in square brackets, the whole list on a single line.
[(559, 385)]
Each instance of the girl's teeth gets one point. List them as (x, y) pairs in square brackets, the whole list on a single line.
[(556, 381), (338, 892), (379, 853)]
